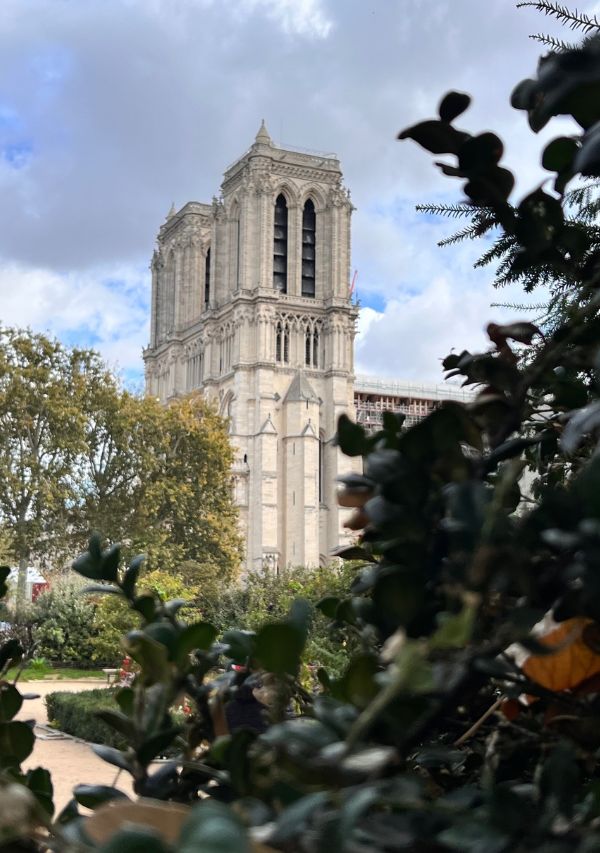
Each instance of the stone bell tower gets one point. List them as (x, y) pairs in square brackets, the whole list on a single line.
[(251, 306)]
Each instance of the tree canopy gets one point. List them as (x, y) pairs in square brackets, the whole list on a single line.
[(79, 453)]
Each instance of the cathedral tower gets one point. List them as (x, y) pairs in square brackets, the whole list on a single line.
[(251, 305)]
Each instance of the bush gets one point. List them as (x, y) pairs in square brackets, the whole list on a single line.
[(64, 624), (265, 597), (75, 714)]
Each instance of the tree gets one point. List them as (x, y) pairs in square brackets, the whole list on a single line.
[(42, 433), (158, 479), (78, 453)]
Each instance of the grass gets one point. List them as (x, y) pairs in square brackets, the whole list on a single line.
[(60, 674)]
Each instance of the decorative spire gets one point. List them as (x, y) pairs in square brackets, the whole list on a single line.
[(172, 211), (262, 137)]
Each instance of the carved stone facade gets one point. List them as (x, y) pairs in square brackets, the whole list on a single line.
[(251, 305)]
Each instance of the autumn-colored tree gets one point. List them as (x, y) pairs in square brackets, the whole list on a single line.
[(158, 478)]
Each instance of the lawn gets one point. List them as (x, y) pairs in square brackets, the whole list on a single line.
[(37, 673)]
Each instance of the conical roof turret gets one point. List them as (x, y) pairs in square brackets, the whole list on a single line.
[(262, 137)]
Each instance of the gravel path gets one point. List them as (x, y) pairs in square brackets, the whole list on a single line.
[(70, 762)]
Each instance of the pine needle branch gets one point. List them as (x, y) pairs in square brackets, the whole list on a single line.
[(558, 45), (451, 210), (574, 19)]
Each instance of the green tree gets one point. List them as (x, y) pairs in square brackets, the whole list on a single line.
[(158, 478), (79, 453), (42, 434)]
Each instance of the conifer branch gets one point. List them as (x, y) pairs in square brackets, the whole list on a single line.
[(574, 19)]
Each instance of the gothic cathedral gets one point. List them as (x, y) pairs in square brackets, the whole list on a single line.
[(251, 306)]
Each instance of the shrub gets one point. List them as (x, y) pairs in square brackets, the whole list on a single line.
[(265, 596), (76, 714), (64, 624)]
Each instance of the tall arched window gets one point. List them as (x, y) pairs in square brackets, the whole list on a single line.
[(282, 343), (280, 245), (309, 220), (311, 346), (234, 246), (321, 473), (207, 279)]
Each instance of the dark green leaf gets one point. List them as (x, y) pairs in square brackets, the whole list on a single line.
[(239, 645), (10, 701), (197, 636), (351, 437), (110, 563), (125, 699), (358, 682), (155, 745), (587, 159), (138, 840), (150, 654), (92, 796), (439, 137), (39, 783), (480, 153), (559, 153), (328, 605), (213, 827), (292, 822), (279, 647), (117, 721), (146, 605), (452, 105), (101, 589), (165, 634), (112, 756), (16, 743), (131, 575)]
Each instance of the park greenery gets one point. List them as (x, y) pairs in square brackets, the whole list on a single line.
[(78, 453), (466, 716)]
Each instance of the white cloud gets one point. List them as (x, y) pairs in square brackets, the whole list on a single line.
[(298, 17), (106, 307), (127, 105)]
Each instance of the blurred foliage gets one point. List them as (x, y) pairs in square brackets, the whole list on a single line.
[(113, 619)]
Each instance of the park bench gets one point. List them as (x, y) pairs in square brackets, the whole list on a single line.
[(111, 674)]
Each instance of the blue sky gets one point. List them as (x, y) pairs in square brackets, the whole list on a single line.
[(112, 109)]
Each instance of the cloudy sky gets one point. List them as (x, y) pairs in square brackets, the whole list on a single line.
[(112, 109)]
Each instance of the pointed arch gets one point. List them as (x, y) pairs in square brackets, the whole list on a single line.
[(309, 239), (280, 244), (317, 197), (234, 244), (207, 279)]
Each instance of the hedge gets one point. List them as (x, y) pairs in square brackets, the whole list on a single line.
[(74, 713)]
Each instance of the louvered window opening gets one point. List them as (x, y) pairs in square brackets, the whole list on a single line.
[(311, 348), (207, 279), (282, 344), (308, 249), (280, 245)]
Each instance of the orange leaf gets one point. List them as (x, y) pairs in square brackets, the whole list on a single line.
[(573, 662)]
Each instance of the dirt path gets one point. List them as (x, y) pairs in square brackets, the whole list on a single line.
[(70, 762)]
